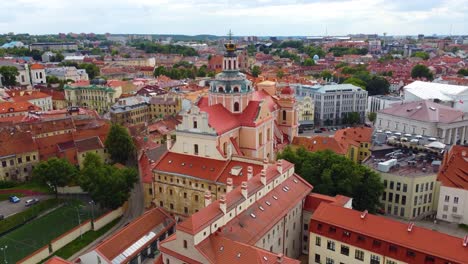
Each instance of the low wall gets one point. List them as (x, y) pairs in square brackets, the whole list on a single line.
[(37, 256), (71, 235), (107, 218)]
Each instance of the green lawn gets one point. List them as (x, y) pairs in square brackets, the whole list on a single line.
[(39, 232), (33, 186), (79, 243)]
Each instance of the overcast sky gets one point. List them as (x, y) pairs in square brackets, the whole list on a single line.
[(244, 17)]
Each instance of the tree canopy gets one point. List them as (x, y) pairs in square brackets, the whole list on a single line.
[(326, 75), (150, 47), (106, 184), (463, 72), (308, 62), (356, 81), (340, 51), (119, 144), (182, 70), (92, 70), (378, 85), (256, 71), (280, 74), (57, 172), (351, 118), (421, 54), (421, 71), (9, 74), (372, 117), (332, 174)]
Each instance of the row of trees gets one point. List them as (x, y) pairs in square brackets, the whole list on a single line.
[(150, 47), (332, 174), (182, 71), (374, 84), (106, 184), (340, 51)]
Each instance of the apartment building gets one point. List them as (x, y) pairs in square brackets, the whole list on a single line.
[(97, 97), (410, 186), (378, 102), (130, 110), (68, 73), (306, 107), (259, 221), (37, 98), (163, 105), (333, 102), (53, 46), (453, 176), (19, 154)]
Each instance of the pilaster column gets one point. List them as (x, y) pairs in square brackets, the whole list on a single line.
[(463, 134), (443, 136), (455, 132), (449, 139)]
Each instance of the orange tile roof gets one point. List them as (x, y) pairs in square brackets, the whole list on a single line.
[(454, 170), (125, 237), (318, 143), (22, 96), (37, 66), (384, 229), (16, 142), (15, 107), (223, 250), (358, 134)]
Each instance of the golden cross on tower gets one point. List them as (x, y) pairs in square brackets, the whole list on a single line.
[(230, 35)]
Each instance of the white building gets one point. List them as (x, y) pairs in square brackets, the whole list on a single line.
[(455, 96), (68, 73), (453, 198), (38, 75), (425, 118), (23, 70), (379, 102), (37, 98)]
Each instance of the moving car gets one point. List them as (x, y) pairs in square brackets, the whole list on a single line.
[(14, 199), (32, 201)]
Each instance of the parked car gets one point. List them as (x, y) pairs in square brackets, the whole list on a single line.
[(14, 199), (323, 129), (318, 131), (32, 201)]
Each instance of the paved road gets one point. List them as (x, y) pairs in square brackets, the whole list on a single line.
[(8, 209)]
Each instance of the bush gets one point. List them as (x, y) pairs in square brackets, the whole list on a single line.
[(7, 184)]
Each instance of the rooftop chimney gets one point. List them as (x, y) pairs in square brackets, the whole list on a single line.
[(279, 166), (244, 189), (222, 203), (229, 185), (364, 214), (168, 142), (265, 163), (263, 176), (207, 198), (249, 172), (279, 258), (410, 226)]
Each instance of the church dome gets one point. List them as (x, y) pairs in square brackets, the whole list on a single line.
[(316, 57)]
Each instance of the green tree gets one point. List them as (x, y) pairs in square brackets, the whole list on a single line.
[(308, 62), (372, 117), (280, 74), (119, 144), (8, 74), (56, 172), (421, 54), (421, 71), (378, 85), (326, 75), (106, 184), (463, 72), (92, 70), (58, 57), (332, 174), (356, 81), (256, 71)]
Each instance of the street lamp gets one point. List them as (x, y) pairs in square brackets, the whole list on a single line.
[(92, 213), (4, 248), (79, 221)]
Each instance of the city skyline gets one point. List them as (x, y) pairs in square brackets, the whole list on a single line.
[(261, 17)]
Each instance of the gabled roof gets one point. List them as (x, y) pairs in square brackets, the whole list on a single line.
[(318, 143), (219, 118), (395, 232), (57, 260), (127, 236), (88, 144), (358, 134), (426, 111), (313, 201), (454, 170)]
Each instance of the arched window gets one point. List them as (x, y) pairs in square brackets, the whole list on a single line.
[(236, 107), (221, 89), (284, 114), (185, 243), (236, 89), (229, 63)]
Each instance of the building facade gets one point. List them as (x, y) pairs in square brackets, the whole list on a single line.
[(53, 46), (97, 97), (130, 111), (425, 118), (306, 110), (68, 73), (38, 75), (342, 235), (453, 176), (379, 102)]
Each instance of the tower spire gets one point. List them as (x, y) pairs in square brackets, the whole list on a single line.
[(230, 35)]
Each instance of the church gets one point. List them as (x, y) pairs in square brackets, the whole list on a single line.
[(226, 137)]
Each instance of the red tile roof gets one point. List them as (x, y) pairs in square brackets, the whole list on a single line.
[(454, 170), (384, 229), (37, 66), (16, 143), (358, 134), (318, 143), (88, 144), (125, 237), (223, 250), (313, 200), (15, 107), (22, 96), (57, 260)]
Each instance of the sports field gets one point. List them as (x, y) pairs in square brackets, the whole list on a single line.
[(39, 232)]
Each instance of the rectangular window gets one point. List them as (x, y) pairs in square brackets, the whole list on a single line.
[(329, 261), (403, 199), (345, 250), (195, 149), (417, 187), (317, 258), (390, 197), (454, 209), (385, 183), (455, 200), (402, 211), (318, 241), (392, 248), (384, 196), (331, 245), (398, 186), (410, 253), (374, 259), (391, 185), (397, 198), (405, 187), (20, 160), (358, 254), (447, 198)]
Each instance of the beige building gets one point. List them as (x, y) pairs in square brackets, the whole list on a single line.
[(411, 190), (130, 111), (97, 97), (306, 108), (163, 105), (18, 155)]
